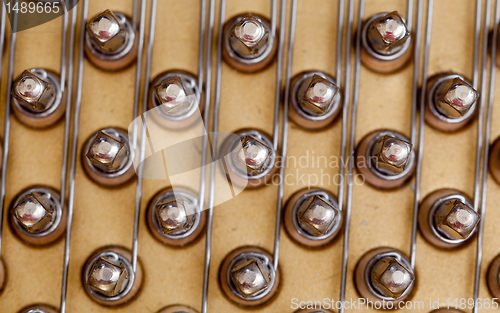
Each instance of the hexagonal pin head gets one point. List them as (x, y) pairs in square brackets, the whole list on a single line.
[(455, 97), (390, 277), (456, 220), (317, 216), (391, 154), (388, 32), (172, 97), (107, 153), (32, 92), (250, 277), (175, 216), (252, 155), (106, 277), (34, 212), (249, 37), (107, 32), (319, 95)]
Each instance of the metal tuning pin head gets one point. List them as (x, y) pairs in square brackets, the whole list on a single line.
[(111, 41), (314, 100), (250, 160), (107, 278), (37, 216), (312, 217), (248, 43), (450, 102), (384, 275), (494, 160), (392, 154), (385, 42), (32, 92), (173, 217), (253, 155), (447, 219), (37, 99), (249, 36), (390, 277), (107, 157), (106, 31), (39, 308), (108, 275), (177, 309), (388, 33), (493, 277), (175, 100), (172, 96), (386, 159), (247, 276)]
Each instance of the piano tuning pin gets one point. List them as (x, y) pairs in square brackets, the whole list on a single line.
[(37, 99), (450, 102), (177, 309), (385, 42), (312, 217), (175, 100), (107, 157), (493, 277), (108, 276), (37, 216), (39, 308), (314, 100), (248, 45), (494, 160), (446, 218), (250, 160), (385, 158), (248, 278), (173, 217), (111, 41), (384, 275)]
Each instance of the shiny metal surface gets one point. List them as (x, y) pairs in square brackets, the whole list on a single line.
[(250, 43), (384, 55), (388, 33), (44, 109), (455, 97), (312, 217), (249, 37), (32, 92), (107, 157), (175, 114), (173, 217), (111, 41), (380, 165), (384, 275), (37, 216), (257, 174), (437, 218), (108, 276), (437, 87), (248, 277), (107, 32), (308, 112)]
